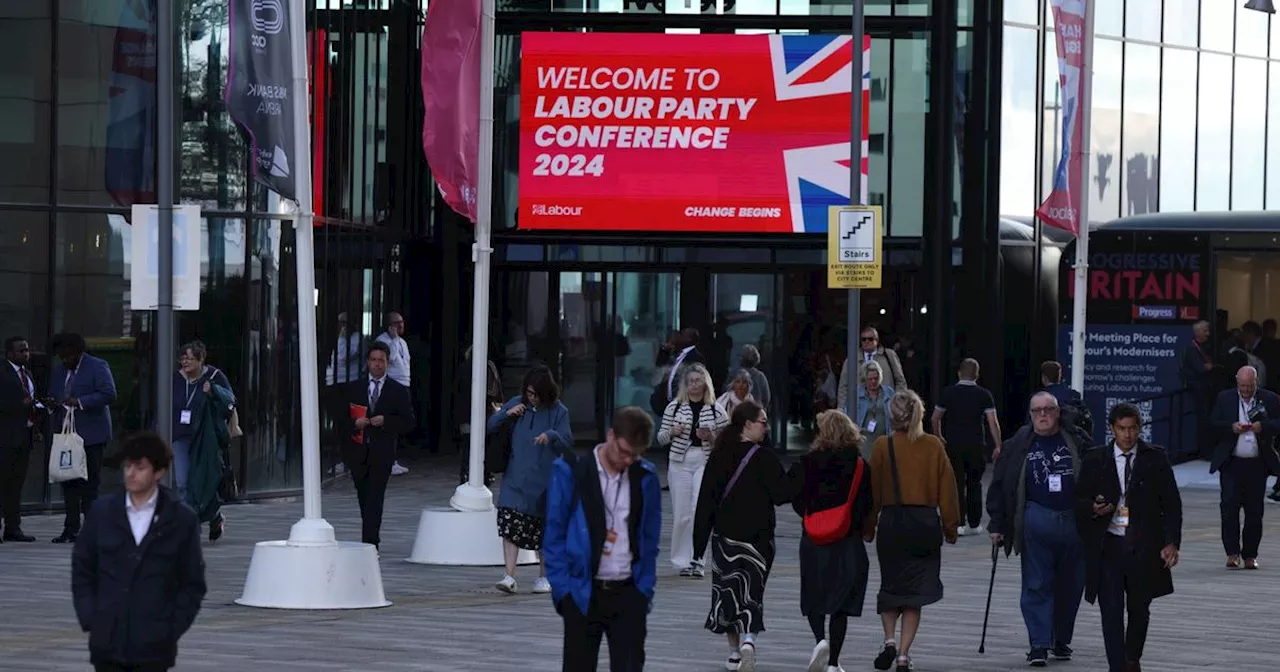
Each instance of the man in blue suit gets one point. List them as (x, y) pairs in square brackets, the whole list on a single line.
[(84, 383), (1246, 421)]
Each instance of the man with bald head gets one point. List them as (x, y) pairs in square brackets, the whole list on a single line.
[(1246, 421)]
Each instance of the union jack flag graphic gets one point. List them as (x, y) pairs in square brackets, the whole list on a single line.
[(807, 67)]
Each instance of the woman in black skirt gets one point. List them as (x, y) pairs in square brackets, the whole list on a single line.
[(833, 575), (741, 486)]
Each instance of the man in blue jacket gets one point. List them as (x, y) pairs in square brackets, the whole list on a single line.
[(604, 518), (137, 573), (83, 383)]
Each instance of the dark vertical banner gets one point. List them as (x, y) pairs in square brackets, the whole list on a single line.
[(259, 93), (131, 107)]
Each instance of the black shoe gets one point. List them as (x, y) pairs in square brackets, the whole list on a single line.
[(216, 528), (65, 538), (1274, 496), (1062, 652), (887, 656), (1038, 658), (18, 536)]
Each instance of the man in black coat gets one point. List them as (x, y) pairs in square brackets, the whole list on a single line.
[(20, 413), (137, 573), (1129, 513), (383, 413), (1246, 421)]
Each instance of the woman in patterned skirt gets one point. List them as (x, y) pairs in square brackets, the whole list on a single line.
[(741, 486), (539, 435)]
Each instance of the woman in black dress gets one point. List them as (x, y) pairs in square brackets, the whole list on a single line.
[(833, 576), (741, 486)]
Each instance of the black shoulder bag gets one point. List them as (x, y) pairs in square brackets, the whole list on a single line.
[(497, 447), (916, 529)]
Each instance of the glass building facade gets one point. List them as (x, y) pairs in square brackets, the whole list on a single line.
[(1182, 119)]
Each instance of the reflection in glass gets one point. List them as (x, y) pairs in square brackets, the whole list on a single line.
[(582, 297), (1178, 135), (1108, 19), (1018, 121), (1140, 170), (1217, 24), (744, 310), (1249, 130), (1181, 22), (645, 311), (24, 248), (213, 151), (1104, 144), (1273, 136), (106, 112), (878, 124), (1213, 137), (910, 96), (1021, 12), (1142, 20), (24, 101)]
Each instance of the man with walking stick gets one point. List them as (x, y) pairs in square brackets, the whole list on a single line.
[(991, 587), (1130, 515)]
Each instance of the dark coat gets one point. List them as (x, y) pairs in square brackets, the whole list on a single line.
[(1155, 516), (379, 444), (1007, 494), (137, 601), (14, 412), (1226, 412), (210, 441)]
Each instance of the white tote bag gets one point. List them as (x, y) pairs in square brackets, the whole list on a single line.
[(66, 454)]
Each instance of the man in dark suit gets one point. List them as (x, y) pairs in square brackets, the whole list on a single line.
[(369, 442), (1246, 421), (1129, 514), (84, 383), (19, 413)]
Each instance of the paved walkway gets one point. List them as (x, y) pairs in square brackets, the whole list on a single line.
[(451, 619)]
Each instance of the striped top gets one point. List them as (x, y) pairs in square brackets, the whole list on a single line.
[(712, 416)]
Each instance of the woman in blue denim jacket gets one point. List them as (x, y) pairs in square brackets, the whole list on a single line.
[(539, 434)]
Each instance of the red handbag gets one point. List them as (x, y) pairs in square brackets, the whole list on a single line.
[(831, 525)]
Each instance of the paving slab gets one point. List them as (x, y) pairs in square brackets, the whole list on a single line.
[(451, 619)]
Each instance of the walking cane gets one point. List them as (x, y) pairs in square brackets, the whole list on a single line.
[(995, 557)]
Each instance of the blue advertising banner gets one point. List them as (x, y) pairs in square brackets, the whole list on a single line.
[(1130, 363)]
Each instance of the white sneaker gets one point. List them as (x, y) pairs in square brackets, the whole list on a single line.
[(748, 653), (733, 662), (507, 584), (818, 659), (398, 469), (834, 668), (541, 585)]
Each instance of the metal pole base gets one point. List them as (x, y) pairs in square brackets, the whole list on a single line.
[(312, 532), (467, 497)]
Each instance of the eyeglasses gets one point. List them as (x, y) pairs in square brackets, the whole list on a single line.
[(869, 339), (1044, 410)]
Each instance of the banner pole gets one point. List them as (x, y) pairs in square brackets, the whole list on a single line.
[(165, 158), (1079, 319), (853, 326), (474, 495)]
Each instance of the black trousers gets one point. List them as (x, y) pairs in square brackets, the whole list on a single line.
[(13, 474), (370, 475), (78, 495), (1116, 595), (130, 667), (969, 465), (620, 614), (1243, 483)]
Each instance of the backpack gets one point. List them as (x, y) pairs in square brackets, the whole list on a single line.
[(831, 525), (1078, 419)]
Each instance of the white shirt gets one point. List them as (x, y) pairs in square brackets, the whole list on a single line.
[(675, 371), (1247, 441), (347, 360), (1124, 487), (30, 385), (398, 364), (140, 518), (616, 493), (381, 384)]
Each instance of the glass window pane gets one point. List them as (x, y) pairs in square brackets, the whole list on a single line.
[(1251, 33), (1142, 19), (907, 128), (1275, 36), (824, 7), (1177, 136), (1108, 18), (213, 152), (106, 112), (1249, 130), (646, 310), (25, 63), (1018, 122), (1217, 24), (1021, 11), (1051, 117), (1181, 22), (1141, 129), (1104, 141), (24, 246), (878, 129), (1213, 139), (1273, 138)]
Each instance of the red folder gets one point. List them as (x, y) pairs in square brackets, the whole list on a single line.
[(356, 411)]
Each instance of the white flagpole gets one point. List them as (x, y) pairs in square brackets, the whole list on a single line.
[(1079, 319), (473, 495)]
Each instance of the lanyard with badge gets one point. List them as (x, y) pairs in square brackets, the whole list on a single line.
[(1248, 436), (1121, 519), (185, 416), (610, 514)]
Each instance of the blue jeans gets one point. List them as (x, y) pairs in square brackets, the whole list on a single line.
[(181, 466), (1052, 575)]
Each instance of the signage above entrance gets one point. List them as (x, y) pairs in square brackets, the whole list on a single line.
[(696, 133)]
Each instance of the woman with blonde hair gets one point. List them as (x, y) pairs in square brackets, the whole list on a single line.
[(833, 562), (914, 492), (873, 402), (689, 426)]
